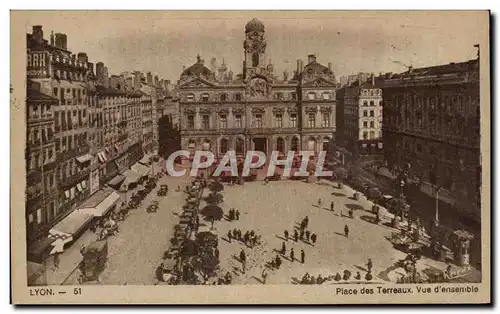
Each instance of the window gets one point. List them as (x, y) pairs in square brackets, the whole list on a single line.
[(372, 103), (295, 144), (326, 96), (372, 124), (238, 97), (372, 113), (190, 125), (223, 145), (190, 97), (39, 216), (240, 145), (365, 124), (365, 113), (205, 97), (372, 135), (279, 120), (237, 120), (293, 96), (326, 120), (365, 135), (311, 96), (223, 97), (311, 120), (279, 96), (365, 103), (205, 122), (280, 145), (258, 120), (223, 121), (293, 120), (419, 148)]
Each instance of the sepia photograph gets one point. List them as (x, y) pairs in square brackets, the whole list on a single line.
[(279, 156)]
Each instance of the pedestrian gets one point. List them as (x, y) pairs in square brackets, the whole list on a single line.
[(264, 275), (246, 237), (286, 235), (332, 206), (308, 234), (243, 259), (302, 256), (235, 234), (301, 234), (229, 236), (278, 261), (346, 231), (319, 202), (56, 261), (237, 215), (266, 181), (252, 233), (231, 214), (306, 221), (240, 238), (313, 238), (296, 235), (292, 255), (283, 249), (216, 253), (369, 265), (358, 276)]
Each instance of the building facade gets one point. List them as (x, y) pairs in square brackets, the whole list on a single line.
[(361, 114), (432, 128), (58, 74), (257, 110)]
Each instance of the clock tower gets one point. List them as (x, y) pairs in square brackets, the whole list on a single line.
[(255, 48)]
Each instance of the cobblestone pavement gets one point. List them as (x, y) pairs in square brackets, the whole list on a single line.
[(270, 209)]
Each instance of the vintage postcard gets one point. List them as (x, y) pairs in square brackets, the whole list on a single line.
[(244, 157)]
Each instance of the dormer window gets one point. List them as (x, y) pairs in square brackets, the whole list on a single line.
[(190, 97), (205, 97)]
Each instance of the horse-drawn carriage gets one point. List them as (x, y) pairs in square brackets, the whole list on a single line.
[(95, 257), (153, 207), (109, 228), (163, 191)]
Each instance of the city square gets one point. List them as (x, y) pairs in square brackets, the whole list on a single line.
[(401, 203)]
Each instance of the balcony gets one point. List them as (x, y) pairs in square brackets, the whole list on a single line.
[(73, 153)]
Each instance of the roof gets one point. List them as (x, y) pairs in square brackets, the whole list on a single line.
[(460, 67), (254, 25), (198, 69), (108, 91), (34, 95), (313, 68), (96, 198)]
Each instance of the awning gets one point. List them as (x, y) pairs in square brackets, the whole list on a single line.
[(116, 147), (79, 187), (104, 156), (140, 169), (69, 226), (37, 250), (117, 180), (100, 203), (130, 177), (145, 159), (84, 158), (72, 192), (106, 149), (84, 184), (66, 193)]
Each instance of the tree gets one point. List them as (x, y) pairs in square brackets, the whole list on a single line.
[(216, 187), (212, 213), (215, 198)]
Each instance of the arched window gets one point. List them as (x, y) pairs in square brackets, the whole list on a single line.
[(295, 143), (365, 135), (365, 103), (205, 97), (255, 59), (280, 145), (240, 146), (372, 135), (223, 97), (372, 103), (207, 145), (223, 146), (237, 97), (326, 143), (311, 144)]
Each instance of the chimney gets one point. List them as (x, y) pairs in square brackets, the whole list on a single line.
[(73, 57), (410, 69), (230, 75), (129, 84), (137, 80), (61, 41), (82, 57), (311, 58), (52, 43), (330, 66), (157, 82), (114, 82), (300, 66), (149, 78), (99, 72), (38, 33), (285, 76), (373, 79)]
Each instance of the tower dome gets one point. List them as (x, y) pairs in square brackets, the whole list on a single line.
[(254, 26)]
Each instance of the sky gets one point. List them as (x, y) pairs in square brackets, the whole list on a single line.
[(353, 41)]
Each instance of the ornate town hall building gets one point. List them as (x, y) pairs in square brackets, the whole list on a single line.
[(257, 110)]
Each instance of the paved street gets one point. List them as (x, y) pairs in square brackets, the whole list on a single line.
[(135, 252), (270, 209)]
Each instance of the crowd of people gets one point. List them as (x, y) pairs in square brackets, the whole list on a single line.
[(249, 238)]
